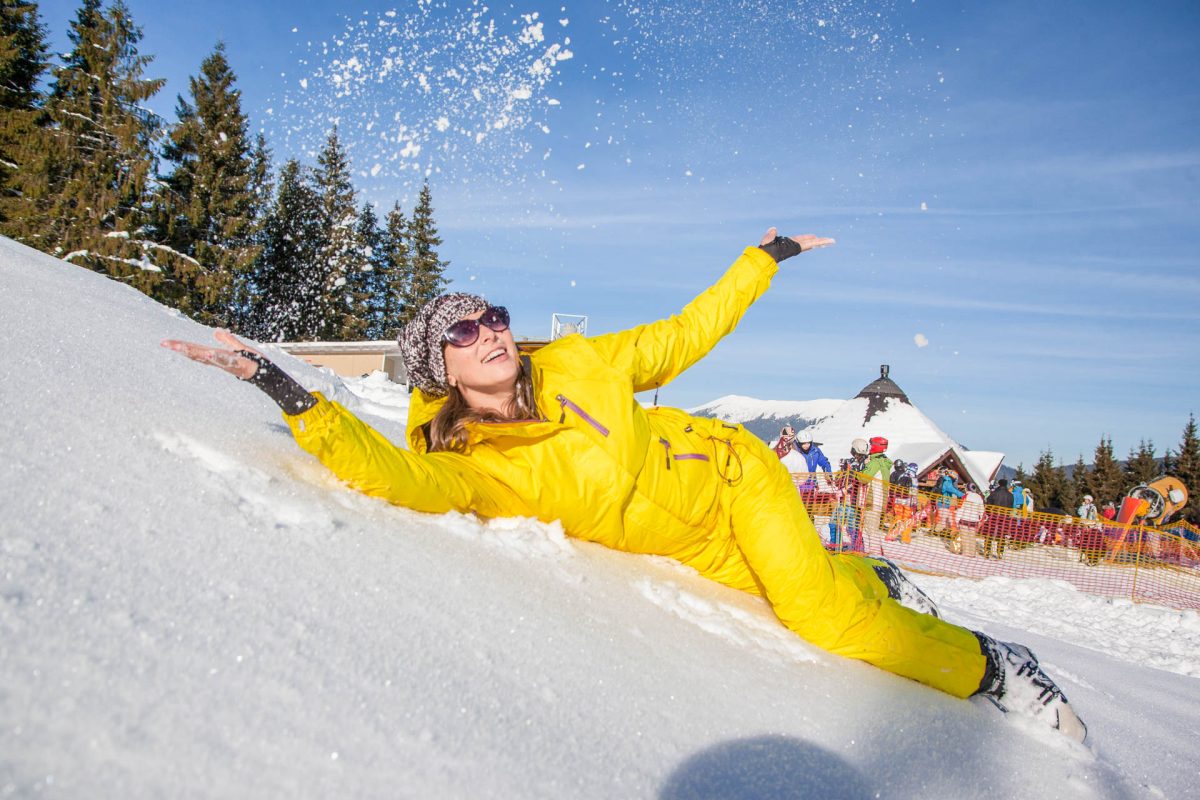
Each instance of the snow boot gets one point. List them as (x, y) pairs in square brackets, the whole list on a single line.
[(1015, 682), (901, 589)]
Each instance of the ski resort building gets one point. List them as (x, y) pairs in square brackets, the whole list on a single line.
[(883, 409)]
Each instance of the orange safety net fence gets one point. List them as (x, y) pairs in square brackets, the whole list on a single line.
[(944, 535)]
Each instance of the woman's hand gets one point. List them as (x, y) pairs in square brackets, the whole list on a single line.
[(242, 361), (226, 358), (807, 242)]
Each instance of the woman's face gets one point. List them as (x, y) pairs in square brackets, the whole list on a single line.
[(489, 365)]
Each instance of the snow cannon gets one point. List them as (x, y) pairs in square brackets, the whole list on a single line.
[(1153, 503)]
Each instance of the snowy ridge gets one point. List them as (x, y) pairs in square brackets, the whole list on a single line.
[(736, 408), (764, 418), (192, 606)]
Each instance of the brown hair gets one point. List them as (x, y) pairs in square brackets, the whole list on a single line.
[(448, 430)]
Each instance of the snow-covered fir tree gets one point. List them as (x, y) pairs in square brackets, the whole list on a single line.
[(289, 284), (340, 255), (96, 181), (363, 321), (396, 272), (426, 277), (262, 188), (205, 208), (23, 62)]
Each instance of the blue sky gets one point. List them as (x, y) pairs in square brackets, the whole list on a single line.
[(1016, 182)]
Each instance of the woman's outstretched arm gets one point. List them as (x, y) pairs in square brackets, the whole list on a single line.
[(656, 353), (353, 450)]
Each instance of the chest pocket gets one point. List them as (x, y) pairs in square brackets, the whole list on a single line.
[(686, 458)]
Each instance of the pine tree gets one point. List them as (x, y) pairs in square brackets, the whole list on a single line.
[(261, 184), (1186, 467), (364, 320), (22, 54), (1048, 483), (245, 292), (1106, 482), (92, 193), (340, 255), (426, 280), (1142, 466), (1079, 485), (23, 139), (288, 281), (206, 206), (392, 288)]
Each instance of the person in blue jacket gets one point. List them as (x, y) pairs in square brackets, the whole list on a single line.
[(813, 457), (1018, 493), (949, 495)]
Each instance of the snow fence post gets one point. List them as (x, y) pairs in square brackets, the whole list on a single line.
[(1137, 562)]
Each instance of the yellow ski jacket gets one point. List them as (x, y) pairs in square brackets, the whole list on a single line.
[(645, 480)]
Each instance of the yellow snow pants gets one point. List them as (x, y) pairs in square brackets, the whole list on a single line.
[(837, 602)]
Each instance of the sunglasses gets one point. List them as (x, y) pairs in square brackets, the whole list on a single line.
[(465, 332)]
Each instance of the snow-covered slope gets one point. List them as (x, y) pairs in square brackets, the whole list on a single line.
[(190, 606), (765, 418)]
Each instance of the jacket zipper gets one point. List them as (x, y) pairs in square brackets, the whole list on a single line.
[(565, 403), (679, 456)]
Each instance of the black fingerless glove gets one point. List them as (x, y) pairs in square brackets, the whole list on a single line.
[(279, 386), (781, 247)]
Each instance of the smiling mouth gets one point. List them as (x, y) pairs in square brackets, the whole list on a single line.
[(495, 354)]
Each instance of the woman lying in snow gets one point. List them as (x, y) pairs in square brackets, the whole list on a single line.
[(560, 436)]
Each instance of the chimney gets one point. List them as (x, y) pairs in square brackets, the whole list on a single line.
[(883, 370)]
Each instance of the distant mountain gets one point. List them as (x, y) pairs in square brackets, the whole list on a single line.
[(764, 418)]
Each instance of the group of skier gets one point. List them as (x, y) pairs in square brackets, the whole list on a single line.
[(867, 484), (955, 509)]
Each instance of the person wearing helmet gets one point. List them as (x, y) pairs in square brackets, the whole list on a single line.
[(896, 481), (1089, 536), (1087, 510), (874, 475), (1028, 501), (847, 515), (814, 459), (903, 501)]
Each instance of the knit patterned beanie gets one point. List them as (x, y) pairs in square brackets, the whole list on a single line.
[(421, 340)]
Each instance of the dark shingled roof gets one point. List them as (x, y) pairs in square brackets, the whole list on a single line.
[(878, 390)]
